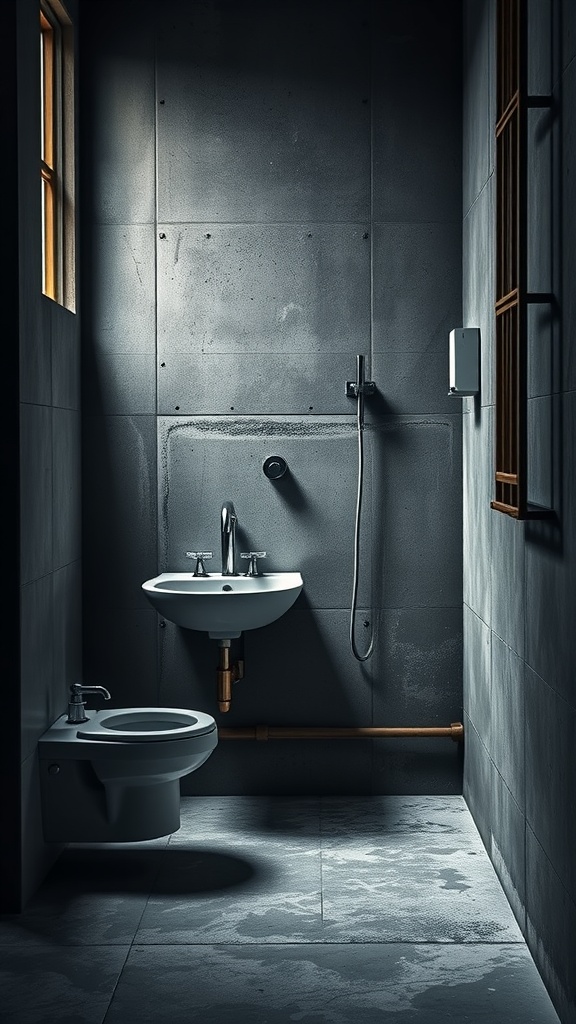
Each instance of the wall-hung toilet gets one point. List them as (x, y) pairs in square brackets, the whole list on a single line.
[(115, 777)]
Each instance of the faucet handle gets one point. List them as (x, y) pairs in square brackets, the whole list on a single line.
[(253, 569), (199, 556)]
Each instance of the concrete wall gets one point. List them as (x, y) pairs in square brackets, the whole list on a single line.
[(49, 392), (271, 189), (519, 595)]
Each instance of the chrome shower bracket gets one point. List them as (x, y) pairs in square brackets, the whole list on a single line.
[(355, 388)]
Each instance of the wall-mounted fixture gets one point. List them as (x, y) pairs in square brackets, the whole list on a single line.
[(114, 776), (274, 467), (464, 361)]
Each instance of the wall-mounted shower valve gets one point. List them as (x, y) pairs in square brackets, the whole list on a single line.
[(199, 556), (274, 467), (253, 569)]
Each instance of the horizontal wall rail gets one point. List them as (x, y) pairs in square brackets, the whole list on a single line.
[(455, 732)]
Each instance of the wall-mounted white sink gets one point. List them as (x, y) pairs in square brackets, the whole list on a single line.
[(223, 606)]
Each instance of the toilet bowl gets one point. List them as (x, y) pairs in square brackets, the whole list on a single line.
[(115, 777)]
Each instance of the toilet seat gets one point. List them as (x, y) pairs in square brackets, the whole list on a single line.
[(135, 725)]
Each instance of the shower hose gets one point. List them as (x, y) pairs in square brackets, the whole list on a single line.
[(360, 432)]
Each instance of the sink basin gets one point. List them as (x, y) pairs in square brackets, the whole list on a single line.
[(223, 606)]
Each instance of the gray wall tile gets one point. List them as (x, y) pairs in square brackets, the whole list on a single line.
[(37, 856), (120, 653), (119, 510), (507, 717), (417, 150), (508, 582), (120, 261), (413, 382), (39, 708), (508, 847), (65, 358), (550, 766), (417, 667), (417, 539), (237, 384), (417, 285), (479, 102), (478, 674), (478, 284), (479, 781), (550, 927), (122, 384), (478, 517), (117, 78), (36, 349), (66, 509), (67, 635), (254, 128), (36, 474), (414, 766), (251, 288)]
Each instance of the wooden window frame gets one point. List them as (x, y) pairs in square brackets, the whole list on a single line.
[(57, 160), (511, 233)]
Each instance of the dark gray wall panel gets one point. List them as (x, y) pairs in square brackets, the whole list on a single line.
[(120, 384), (304, 521), (550, 768), (284, 768), (417, 667), (412, 382), (120, 646), (479, 99), (39, 709), (507, 717), (120, 261), (418, 536), (119, 510), (550, 927), (35, 491), (508, 846), (240, 384), (477, 674), (263, 113), (478, 783), (118, 94), (248, 288), (417, 137), (415, 766), (35, 368), (478, 282), (478, 517), (65, 357), (67, 639), (417, 285), (66, 509)]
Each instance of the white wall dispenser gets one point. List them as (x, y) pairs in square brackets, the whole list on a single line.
[(464, 361)]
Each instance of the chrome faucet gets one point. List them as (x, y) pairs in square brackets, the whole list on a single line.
[(228, 537), (76, 705)]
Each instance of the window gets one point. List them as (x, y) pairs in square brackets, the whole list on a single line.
[(57, 154), (512, 296)]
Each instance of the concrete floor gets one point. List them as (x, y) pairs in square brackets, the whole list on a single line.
[(270, 910)]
